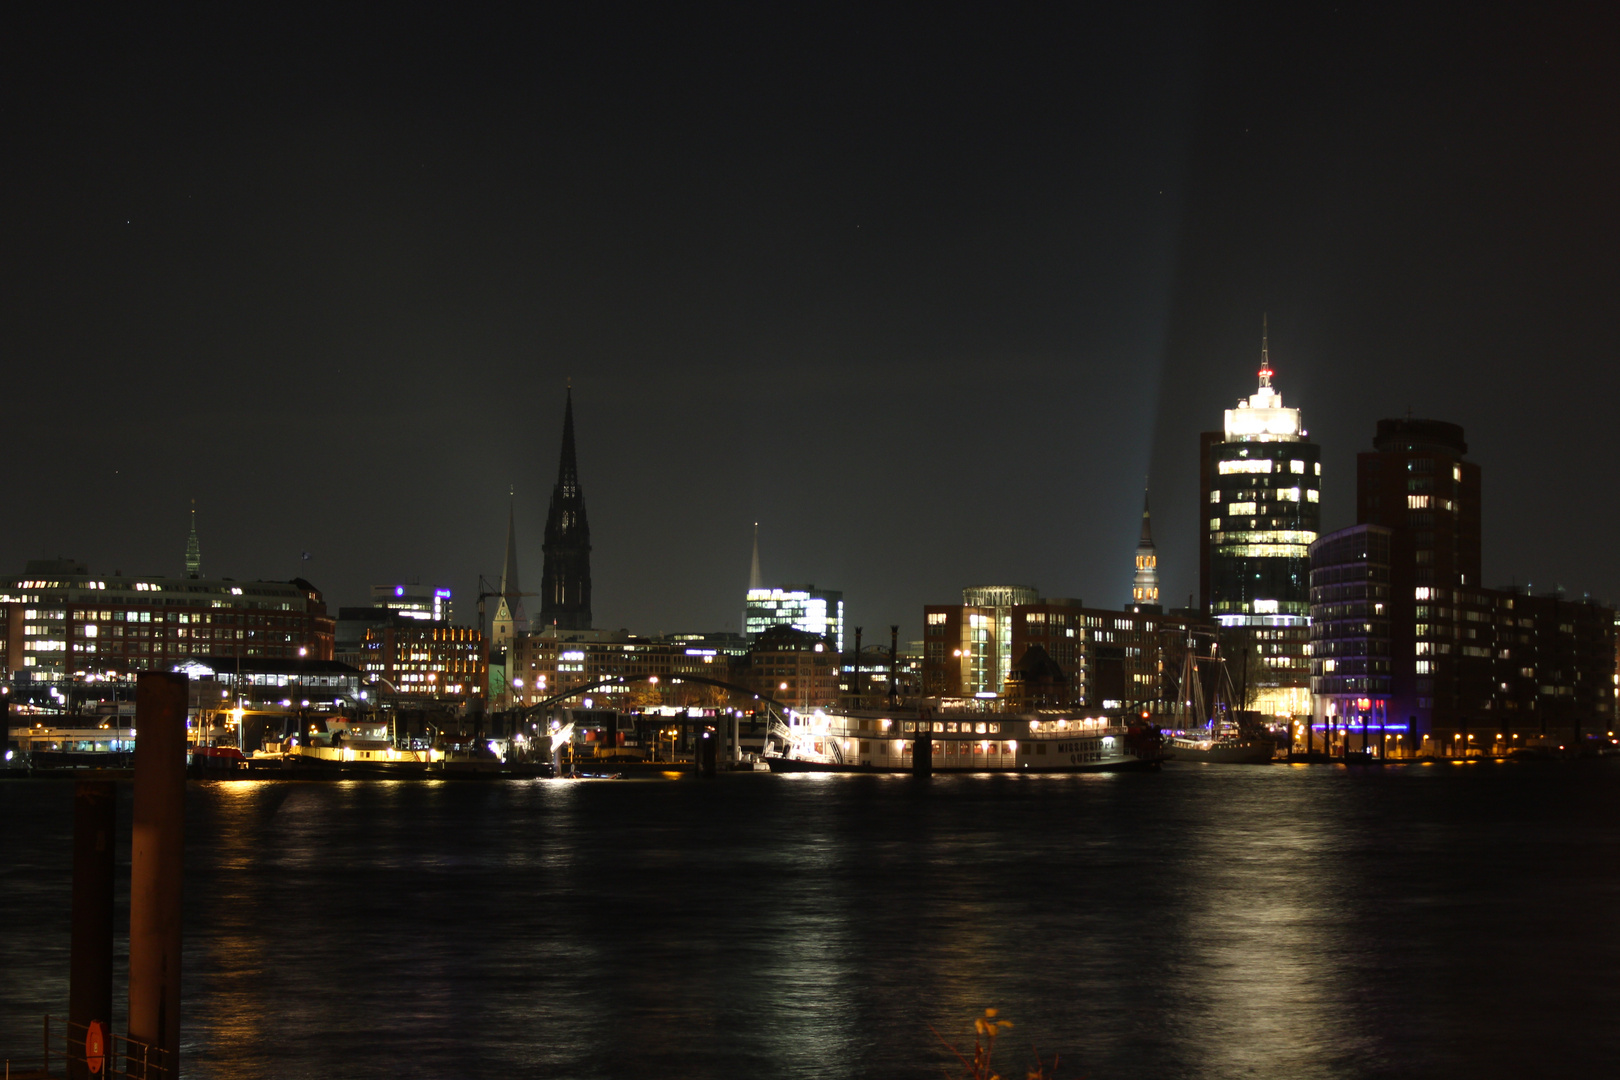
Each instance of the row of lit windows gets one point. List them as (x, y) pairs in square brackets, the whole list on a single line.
[(1262, 465)]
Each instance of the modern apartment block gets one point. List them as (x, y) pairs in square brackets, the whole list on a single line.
[(1409, 647)]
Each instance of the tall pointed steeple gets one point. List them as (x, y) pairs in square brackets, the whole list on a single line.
[(510, 618), (565, 588), (756, 580), (193, 547), (1145, 585)]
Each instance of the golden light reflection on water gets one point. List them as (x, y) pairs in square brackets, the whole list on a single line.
[(1209, 923), (1259, 945)]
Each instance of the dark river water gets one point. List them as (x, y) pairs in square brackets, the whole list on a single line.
[(1204, 921)]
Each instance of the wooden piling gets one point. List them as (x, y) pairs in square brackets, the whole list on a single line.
[(90, 963), (156, 866)]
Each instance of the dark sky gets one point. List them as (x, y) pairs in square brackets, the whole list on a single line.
[(928, 292)]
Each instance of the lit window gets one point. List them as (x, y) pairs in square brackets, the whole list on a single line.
[(1312, 495), (1417, 502), (1256, 465), (1288, 494), (1296, 466), (1240, 508), (1215, 496)]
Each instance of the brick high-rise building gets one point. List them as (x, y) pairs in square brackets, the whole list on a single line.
[(1412, 654)]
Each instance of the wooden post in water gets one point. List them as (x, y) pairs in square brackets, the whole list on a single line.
[(156, 866), (706, 752), (90, 964), (894, 667), (922, 747)]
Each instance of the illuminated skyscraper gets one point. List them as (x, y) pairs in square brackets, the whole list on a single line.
[(1260, 483), (565, 585)]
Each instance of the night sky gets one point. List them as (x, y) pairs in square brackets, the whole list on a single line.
[(927, 292)]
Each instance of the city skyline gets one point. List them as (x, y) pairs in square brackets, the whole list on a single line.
[(341, 321)]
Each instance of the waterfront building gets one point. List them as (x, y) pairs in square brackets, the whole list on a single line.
[(417, 658), (794, 667), (549, 662), (1260, 483), (1417, 483), (1431, 662), (803, 607), (1110, 659), (1145, 582), (968, 649), (59, 621), (319, 685), (565, 582), (1351, 635)]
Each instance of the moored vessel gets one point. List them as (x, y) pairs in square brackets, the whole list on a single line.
[(869, 741), (1219, 734)]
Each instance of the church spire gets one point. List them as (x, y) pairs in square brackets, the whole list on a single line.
[(1145, 585), (193, 547), (565, 588), (756, 580), (510, 618), (509, 570), (568, 467)]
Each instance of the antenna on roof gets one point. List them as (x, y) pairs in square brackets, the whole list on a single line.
[(1265, 353)]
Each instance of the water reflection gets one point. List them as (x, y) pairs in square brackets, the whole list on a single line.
[(1202, 922), (1260, 942)]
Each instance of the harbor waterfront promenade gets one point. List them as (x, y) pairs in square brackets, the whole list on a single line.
[(1199, 921)]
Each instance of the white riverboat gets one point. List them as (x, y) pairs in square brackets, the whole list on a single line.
[(877, 742)]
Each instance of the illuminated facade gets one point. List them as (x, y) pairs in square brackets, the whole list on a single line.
[(1260, 490), (1109, 659), (423, 659), (803, 607), (59, 621), (565, 581)]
